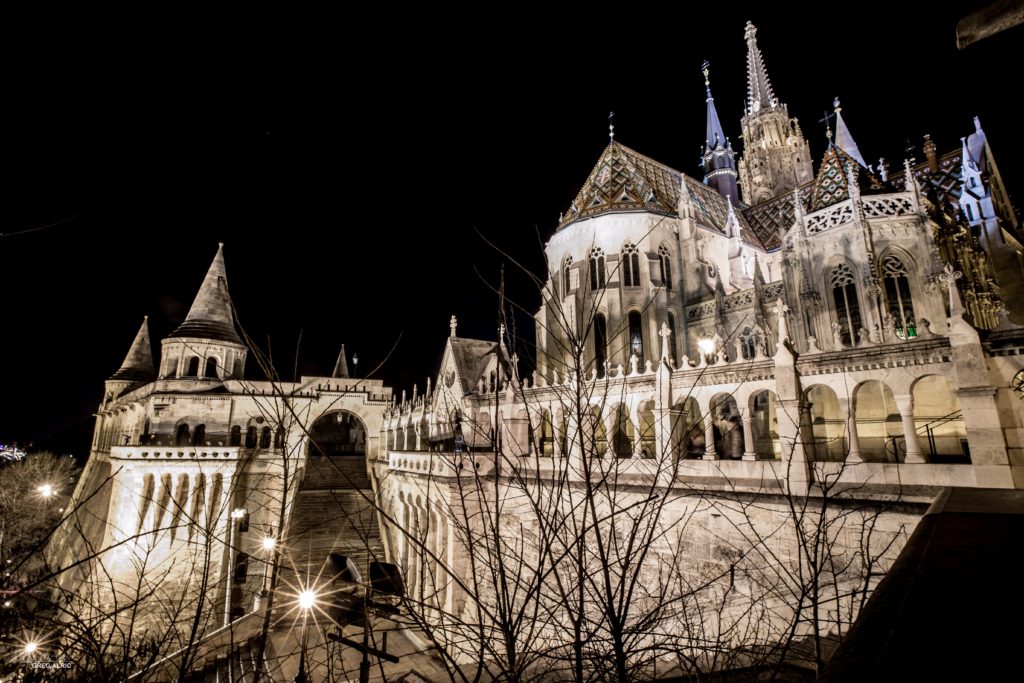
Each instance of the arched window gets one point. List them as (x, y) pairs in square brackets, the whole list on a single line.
[(630, 266), (844, 295), (596, 268), (747, 342), (600, 343), (237, 374), (666, 268), (279, 438), (211, 367), (636, 337), (672, 348), (236, 436), (250, 437), (199, 436), (490, 382), (897, 296), (193, 367), (567, 275), (265, 437), (181, 436)]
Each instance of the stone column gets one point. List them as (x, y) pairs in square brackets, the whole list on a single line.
[(748, 436), (634, 415), (709, 434), (905, 404), (849, 409)]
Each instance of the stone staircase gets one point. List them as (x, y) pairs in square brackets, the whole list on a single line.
[(335, 472)]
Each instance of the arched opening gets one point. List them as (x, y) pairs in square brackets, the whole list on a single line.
[(567, 276), (237, 373), (598, 434), (211, 368), (688, 430), (600, 343), (236, 436), (193, 367), (336, 452), (897, 296), (279, 437), (941, 432), (630, 266), (597, 271), (265, 436), (828, 426), (647, 437), (764, 425), (879, 425), (728, 427), (547, 435), (622, 432), (199, 436), (250, 436), (182, 435), (748, 340), (636, 338), (666, 268), (672, 348)]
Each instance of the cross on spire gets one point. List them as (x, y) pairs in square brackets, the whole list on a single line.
[(828, 127)]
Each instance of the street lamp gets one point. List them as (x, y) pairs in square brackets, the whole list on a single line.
[(355, 365), (31, 647), (307, 599), (269, 543), (46, 490), (707, 349)]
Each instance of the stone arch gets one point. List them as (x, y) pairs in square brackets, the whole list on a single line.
[(941, 431), (828, 425), (879, 426), (193, 367), (727, 426), (688, 429), (236, 436), (265, 437), (843, 298), (210, 371), (338, 433), (764, 424), (623, 434), (598, 435), (199, 435), (182, 434)]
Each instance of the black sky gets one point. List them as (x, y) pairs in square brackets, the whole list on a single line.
[(348, 166)]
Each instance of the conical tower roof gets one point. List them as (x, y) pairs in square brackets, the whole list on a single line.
[(341, 366), (210, 316), (138, 364)]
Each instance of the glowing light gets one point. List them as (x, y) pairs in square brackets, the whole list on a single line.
[(269, 543), (31, 647), (307, 599), (707, 346), (46, 490), (238, 513)]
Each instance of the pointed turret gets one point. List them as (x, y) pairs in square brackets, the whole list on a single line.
[(341, 365), (210, 316), (138, 364), (844, 140), (718, 159), (759, 88), (776, 158)]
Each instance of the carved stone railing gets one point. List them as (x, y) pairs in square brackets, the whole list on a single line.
[(736, 301), (887, 205), (831, 217)]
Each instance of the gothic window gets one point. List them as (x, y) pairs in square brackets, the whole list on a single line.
[(672, 335), (279, 438), (211, 367), (193, 367), (250, 437), (636, 337), (630, 266), (181, 437), (747, 341), (897, 296), (265, 438), (666, 269), (844, 295), (566, 275), (597, 268), (600, 343), (236, 436), (199, 436)]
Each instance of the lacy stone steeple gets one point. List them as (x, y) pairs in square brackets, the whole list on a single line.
[(776, 158)]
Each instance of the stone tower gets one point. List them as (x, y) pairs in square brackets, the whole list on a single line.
[(718, 160), (776, 158)]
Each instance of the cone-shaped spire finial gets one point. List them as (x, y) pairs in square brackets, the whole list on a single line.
[(341, 365), (138, 364), (210, 316), (718, 161), (715, 135), (759, 88), (844, 140)]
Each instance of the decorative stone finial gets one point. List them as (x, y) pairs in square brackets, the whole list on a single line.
[(453, 323), (665, 335), (611, 126)]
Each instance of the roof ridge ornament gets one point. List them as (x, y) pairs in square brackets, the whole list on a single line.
[(611, 126)]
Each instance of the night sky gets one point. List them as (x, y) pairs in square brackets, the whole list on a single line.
[(350, 168)]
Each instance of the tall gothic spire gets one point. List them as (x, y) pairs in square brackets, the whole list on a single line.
[(844, 140), (138, 364), (759, 88), (718, 160), (341, 366), (210, 316)]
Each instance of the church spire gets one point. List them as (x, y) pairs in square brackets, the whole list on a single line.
[(759, 88), (210, 316), (138, 364), (718, 159), (844, 140), (341, 366)]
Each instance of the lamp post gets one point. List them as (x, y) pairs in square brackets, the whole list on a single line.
[(269, 545), (355, 365), (307, 599)]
